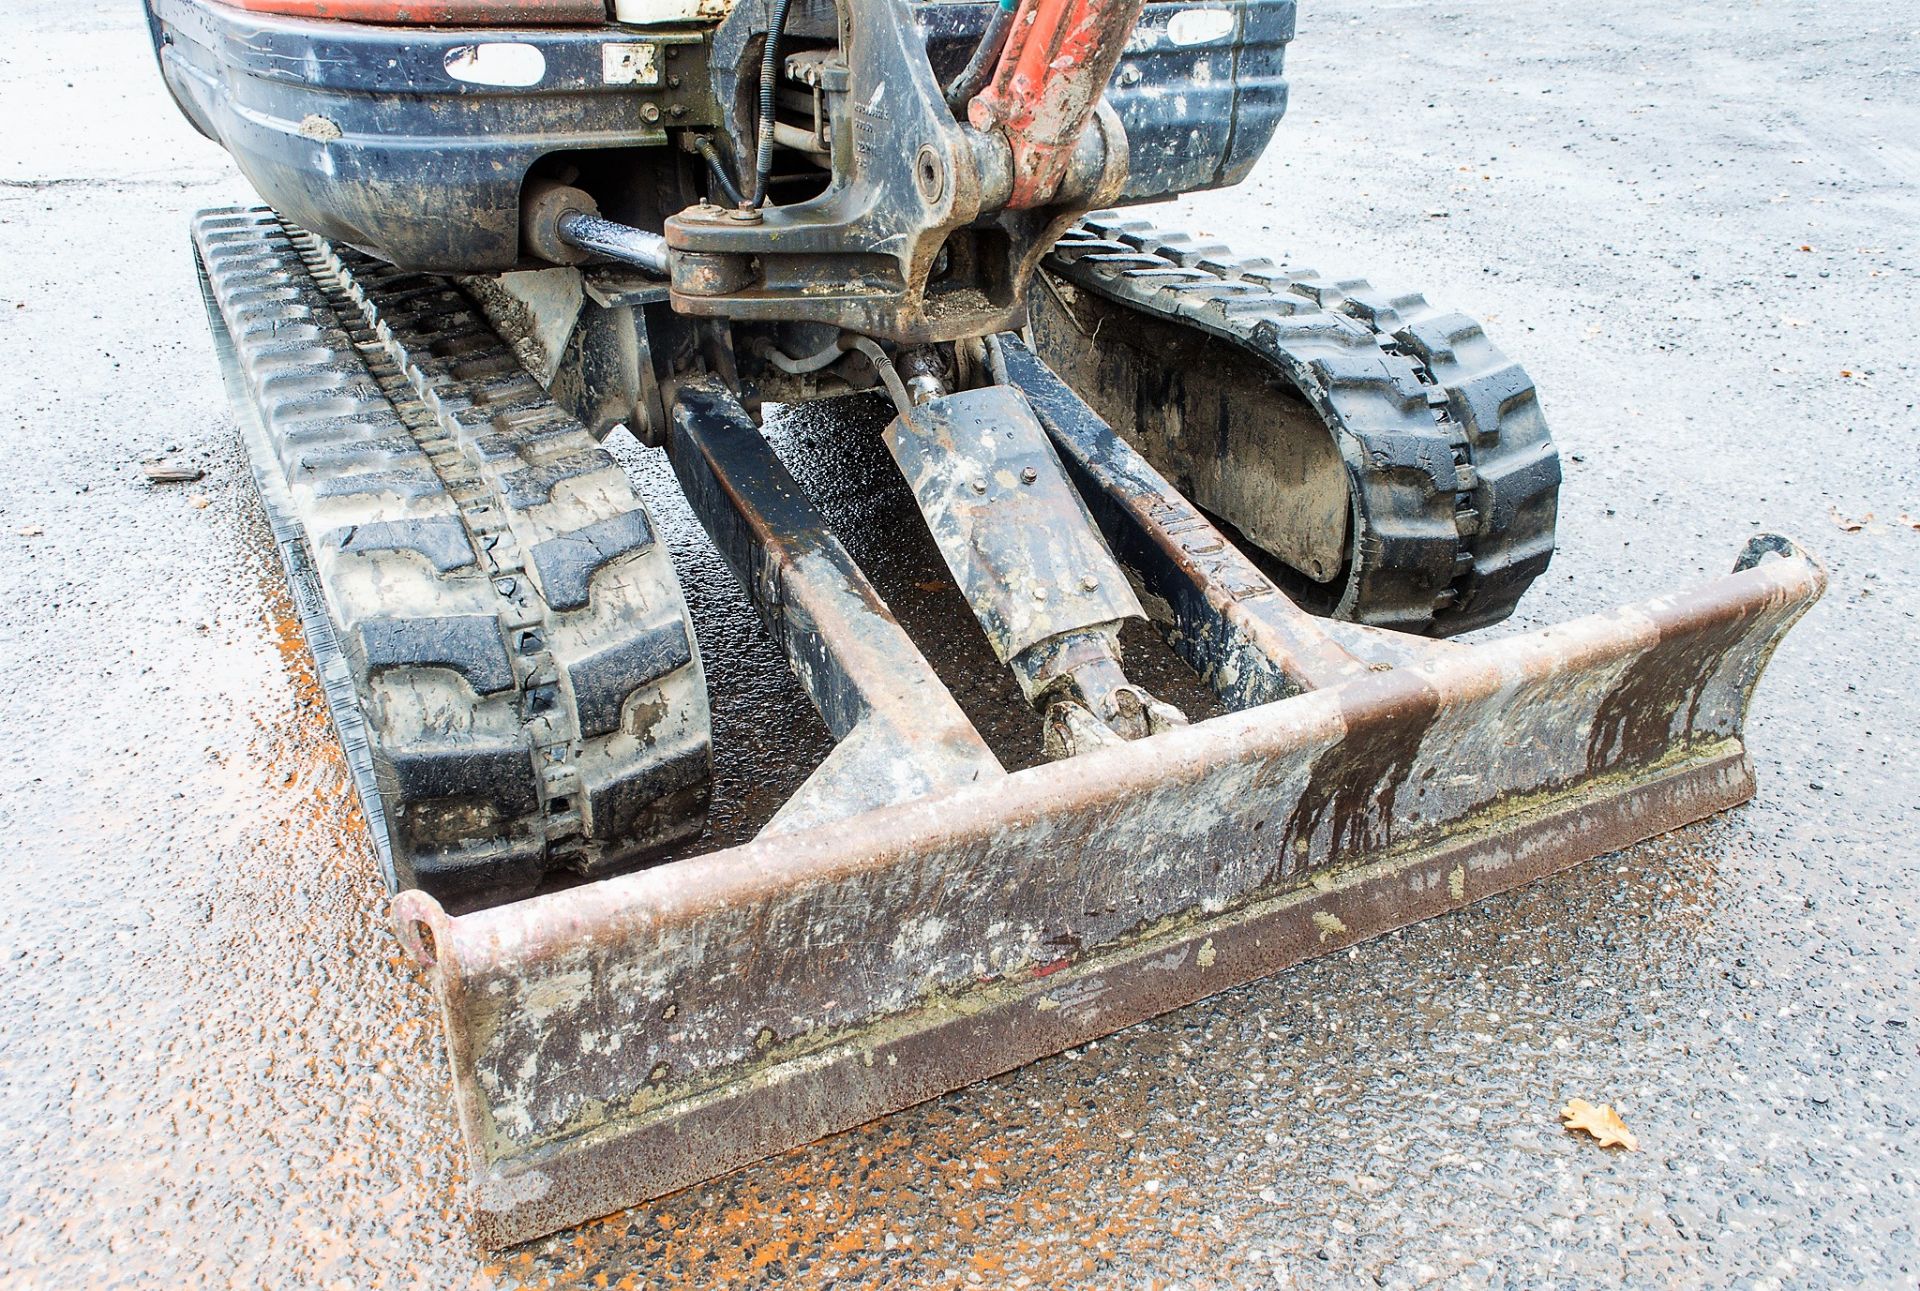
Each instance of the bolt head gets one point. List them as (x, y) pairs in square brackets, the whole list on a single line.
[(1028, 475)]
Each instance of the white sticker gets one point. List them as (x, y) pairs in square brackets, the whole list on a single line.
[(1198, 26), (634, 64), (507, 63)]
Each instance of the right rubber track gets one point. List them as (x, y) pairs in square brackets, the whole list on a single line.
[(502, 638), (1454, 477)]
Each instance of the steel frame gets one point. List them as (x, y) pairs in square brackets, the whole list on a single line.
[(918, 919)]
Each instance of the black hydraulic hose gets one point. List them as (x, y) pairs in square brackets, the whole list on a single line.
[(717, 167), (974, 75), (769, 82)]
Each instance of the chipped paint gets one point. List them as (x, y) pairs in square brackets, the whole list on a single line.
[(318, 128)]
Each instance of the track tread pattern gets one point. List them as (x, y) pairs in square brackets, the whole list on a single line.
[(1454, 477), (496, 733)]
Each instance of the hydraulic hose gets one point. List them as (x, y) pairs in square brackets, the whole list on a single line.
[(822, 359), (889, 375), (987, 53), (769, 83), (717, 167), (815, 362)]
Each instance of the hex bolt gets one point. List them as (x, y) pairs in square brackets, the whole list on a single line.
[(677, 110), (673, 82), (1028, 475), (650, 112), (1088, 583), (979, 486)]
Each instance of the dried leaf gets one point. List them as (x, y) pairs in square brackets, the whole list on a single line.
[(1911, 522), (1847, 525), (1602, 1122)]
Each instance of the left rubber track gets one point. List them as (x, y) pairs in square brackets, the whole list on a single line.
[(500, 633)]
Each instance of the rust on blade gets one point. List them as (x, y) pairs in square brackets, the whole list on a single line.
[(625, 1038)]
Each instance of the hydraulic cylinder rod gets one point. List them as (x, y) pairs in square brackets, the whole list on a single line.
[(620, 242)]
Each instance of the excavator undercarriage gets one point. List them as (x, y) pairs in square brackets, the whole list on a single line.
[(1301, 485)]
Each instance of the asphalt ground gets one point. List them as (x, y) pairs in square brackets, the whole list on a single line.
[(1695, 223)]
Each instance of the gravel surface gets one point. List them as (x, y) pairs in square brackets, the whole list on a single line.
[(1694, 222)]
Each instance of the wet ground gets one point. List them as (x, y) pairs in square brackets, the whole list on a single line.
[(1696, 224)]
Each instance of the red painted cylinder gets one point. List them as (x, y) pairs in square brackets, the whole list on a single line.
[(1049, 79)]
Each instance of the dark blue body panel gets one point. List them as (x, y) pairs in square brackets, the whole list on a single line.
[(363, 134)]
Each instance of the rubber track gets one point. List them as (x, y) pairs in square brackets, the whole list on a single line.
[(1508, 501), (1454, 477), (502, 639)]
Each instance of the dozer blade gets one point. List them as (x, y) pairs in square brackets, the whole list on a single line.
[(628, 1037)]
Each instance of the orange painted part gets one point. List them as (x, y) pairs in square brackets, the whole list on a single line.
[(447, 13), (1026, 75), (1047, 83)]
